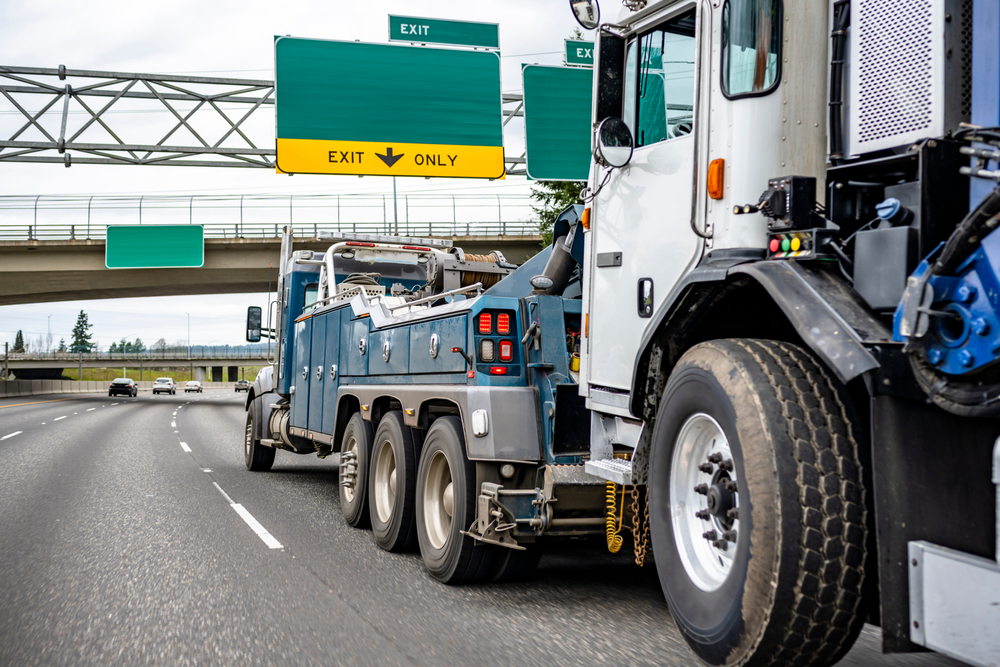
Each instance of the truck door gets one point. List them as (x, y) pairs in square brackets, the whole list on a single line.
[(317, 378), (332, 370), (301, 346), (641, 240)]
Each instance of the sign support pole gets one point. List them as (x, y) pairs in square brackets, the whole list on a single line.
[(395, 209)]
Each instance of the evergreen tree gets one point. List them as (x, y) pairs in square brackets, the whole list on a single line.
[(113, 348), (553, 197), (81, 334), (124, 346), (18, 342), (62, 345), (138, 345)]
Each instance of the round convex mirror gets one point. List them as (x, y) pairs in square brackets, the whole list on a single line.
[(587, 13), (614, 142)]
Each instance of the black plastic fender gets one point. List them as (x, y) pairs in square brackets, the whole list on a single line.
[(825, 311), (262, 386)]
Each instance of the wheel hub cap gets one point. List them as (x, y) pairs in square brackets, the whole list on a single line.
[(448, 500)]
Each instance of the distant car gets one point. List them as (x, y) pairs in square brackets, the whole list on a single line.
[(164, 386), (123, 386), (242, 385), (193, 385)]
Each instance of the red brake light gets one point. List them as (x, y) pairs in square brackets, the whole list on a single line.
[(485, 323), (498, 370), (416, 247), (506, 350), (359, 243), (503, 323)]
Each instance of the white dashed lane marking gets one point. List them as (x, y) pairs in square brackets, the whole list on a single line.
[(58, 418), (256, 527), (185, 447), (11, 435), (89, 409)]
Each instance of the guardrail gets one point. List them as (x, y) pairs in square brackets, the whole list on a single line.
[(13, 388), (41, 217), (149, 355)]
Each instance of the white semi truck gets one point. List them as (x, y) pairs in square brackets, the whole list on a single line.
[(766, 344)]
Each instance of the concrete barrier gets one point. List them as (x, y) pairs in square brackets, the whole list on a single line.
[(15, 388)]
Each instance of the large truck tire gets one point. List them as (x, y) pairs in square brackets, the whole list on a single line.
[(392, 484), (258, 458), (446, 505), (758, 514), (357, 444)]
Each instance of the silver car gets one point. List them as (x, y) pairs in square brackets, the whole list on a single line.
[(164, 386)]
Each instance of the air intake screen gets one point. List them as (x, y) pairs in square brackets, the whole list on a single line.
[(896, 73)]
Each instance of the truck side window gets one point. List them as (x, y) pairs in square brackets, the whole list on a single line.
[(751, 47), (666, 81), (628, 97), (311, 296)]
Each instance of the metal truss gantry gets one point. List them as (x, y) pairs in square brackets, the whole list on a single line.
[(223, 99)]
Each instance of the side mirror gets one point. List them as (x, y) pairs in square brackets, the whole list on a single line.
[(587, 13), (614, 143), (253, 324)]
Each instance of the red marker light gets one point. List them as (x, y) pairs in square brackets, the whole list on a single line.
[(775, 245), (506, 350), (359, 243), (503, 323), (416, 247), (485, 323), (498, 370)]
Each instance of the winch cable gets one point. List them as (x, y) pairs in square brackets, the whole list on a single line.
[(487, 279)]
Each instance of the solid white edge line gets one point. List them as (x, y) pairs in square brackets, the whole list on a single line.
[(58, 418), (11, 435), (185, 447), (224, 494), (256, 527)]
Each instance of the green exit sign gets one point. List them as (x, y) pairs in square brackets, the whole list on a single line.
[(155, 247), (557, 103), (438, 31), (579, 52)]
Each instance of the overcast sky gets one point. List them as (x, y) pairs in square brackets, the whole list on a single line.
[(221, 38)]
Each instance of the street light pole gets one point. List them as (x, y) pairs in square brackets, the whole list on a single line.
[(189, 334), (48, 334)]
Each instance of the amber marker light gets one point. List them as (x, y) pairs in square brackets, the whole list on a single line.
[(585, 219), (716, 172)]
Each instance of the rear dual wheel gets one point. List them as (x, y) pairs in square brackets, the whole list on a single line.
[(757, 513), (392, 483)]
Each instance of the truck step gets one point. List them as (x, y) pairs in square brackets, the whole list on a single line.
[(618, 471)]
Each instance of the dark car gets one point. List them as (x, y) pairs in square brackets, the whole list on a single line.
[(123, 386), (242, 385)]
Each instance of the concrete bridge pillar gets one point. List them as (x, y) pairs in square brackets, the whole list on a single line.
[(217, 374), (233, 373), (200, 373)]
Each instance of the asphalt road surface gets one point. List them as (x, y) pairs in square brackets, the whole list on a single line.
[(132, 534)]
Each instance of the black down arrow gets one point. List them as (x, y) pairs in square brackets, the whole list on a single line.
[(389, 158)]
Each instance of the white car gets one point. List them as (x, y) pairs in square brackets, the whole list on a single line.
[(193, 385), (164, 386)]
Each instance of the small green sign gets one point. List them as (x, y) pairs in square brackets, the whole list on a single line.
[(155, 247), (579, 52), (557, 102), (438, 31)]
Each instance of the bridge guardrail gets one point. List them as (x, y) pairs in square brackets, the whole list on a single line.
[(129, 357)]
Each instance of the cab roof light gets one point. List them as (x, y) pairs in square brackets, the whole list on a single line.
[(503, 323), (716, 178), (485, 323)]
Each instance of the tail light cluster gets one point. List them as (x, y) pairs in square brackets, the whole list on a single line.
[(491, 326)]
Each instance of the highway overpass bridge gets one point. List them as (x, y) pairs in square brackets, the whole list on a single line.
[(35, 270), (203, 365)]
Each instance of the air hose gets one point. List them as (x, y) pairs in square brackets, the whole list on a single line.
[(614, 532)]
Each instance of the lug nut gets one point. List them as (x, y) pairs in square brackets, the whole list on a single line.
[(706, 468), (733, 513), (721, 545), (710, 535), (935, 356), (703, 515), (729, 535), (702, 489), (715, 458), (727, 465), (731, 486), (966, 293), (980, 326)]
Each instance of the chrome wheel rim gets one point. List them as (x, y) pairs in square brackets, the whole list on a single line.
[(385, 481), (439, 500), (704, 498), (349, 469)]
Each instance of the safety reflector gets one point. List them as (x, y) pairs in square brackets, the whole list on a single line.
[(485, 323), (503, 323), (506, 350)]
